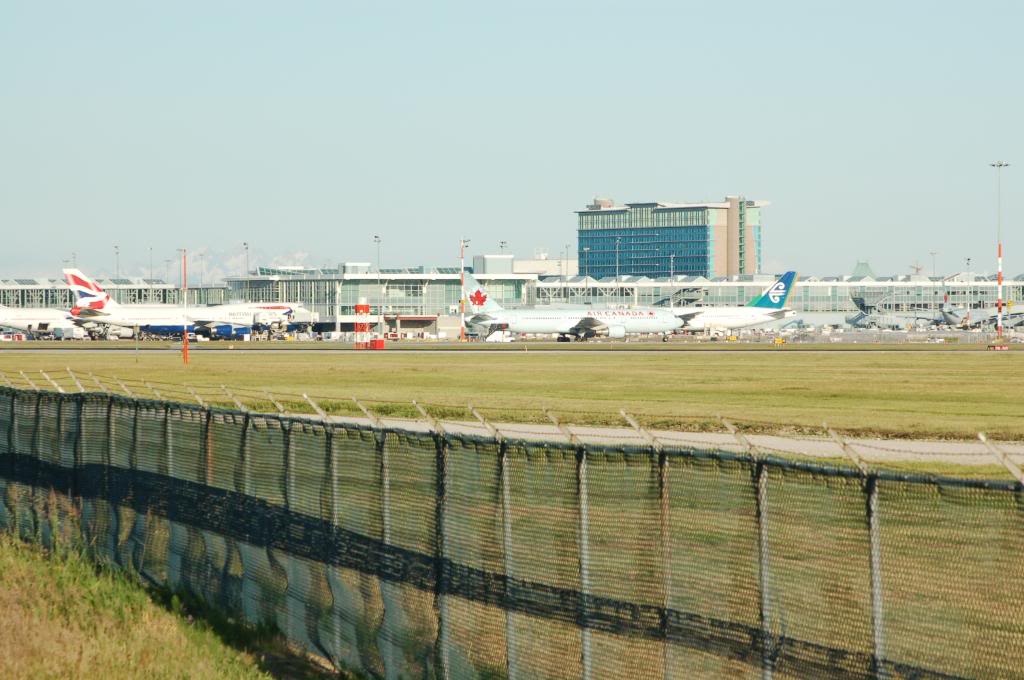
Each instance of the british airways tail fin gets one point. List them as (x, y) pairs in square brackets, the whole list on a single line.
[(477, 299), (777, 294), (89, 297)]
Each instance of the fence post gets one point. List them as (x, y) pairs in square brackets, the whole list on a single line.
[(153, 390), (870, 481), (59, 444), (12, 426), (133, 457), (316, 407), (666, 539), (37, 420), (289, 465), (440, 543), (747, 445), (75, 379), (52, 382), (110, 438), (1003, 458), (385, 511), (246, 458), (583, 544), (277, 405), (239, 405), (196, 396), (124, 387), (98, 383), (512, 663), (79, 444), (168, 444), (584, 550), (207, 446), (768, 650), (877, 621)]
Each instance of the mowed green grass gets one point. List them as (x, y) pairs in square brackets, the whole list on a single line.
[(946, 394)]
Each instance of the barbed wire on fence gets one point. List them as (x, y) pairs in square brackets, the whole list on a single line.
[(591, 426)]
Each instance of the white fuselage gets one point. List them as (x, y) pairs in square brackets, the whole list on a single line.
[(173, 318), (727, 318), (35, 319), (618, 322)]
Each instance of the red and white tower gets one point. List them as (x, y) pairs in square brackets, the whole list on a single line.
[(999, 165)]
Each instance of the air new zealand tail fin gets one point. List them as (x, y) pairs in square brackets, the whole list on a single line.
[(777, 294)]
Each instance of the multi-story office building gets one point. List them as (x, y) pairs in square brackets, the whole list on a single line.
[(665, 239)]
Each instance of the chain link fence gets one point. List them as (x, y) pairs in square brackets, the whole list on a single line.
[(426, 554)]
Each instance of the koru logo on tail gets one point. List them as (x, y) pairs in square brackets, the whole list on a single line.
[(478, 298), (776, 292)]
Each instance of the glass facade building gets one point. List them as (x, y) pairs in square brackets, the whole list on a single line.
[(420, 295), (665, 239)]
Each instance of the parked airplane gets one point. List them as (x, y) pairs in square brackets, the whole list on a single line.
[(95, 305), (39, 320), (567, 324), (769, 306)]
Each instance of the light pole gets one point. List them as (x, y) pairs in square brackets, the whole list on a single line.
[(380, 291), (501, 246), (151, 262), (999, 165), (969, 277), (565, 275), (167, 271), (618, 240), (586, 271), (462, 286), (117, 262), (671, 265), (248, 290), (933, 254), (184, 298)]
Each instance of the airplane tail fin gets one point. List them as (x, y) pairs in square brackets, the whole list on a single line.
[(89, 297), (477, 299), (777, 294)]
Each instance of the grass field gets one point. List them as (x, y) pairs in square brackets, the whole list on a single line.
[(913, 393), (65, 618)]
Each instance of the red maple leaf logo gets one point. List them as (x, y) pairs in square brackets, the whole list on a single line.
[(478, 298)]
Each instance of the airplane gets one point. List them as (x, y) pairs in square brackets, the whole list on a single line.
[(567, 324), (769, 306), (39, 320), (229, 320)]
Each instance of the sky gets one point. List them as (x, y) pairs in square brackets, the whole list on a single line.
[(306, 128)]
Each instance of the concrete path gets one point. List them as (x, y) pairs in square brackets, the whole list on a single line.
[(871, 450)]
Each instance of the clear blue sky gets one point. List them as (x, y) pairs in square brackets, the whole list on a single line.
[(304, 128)]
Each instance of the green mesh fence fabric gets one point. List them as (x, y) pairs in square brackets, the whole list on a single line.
[(402, 554)]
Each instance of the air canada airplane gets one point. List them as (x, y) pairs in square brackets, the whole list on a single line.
[(769, 306), (96, 305), (567, 324)]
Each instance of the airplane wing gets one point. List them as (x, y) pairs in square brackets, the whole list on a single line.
[(588, 326), (687, 317)]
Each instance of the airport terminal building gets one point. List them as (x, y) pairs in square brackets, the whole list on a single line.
[(422, 299)]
